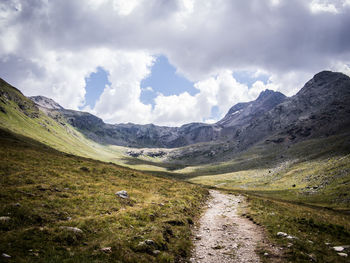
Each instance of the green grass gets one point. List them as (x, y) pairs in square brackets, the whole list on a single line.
[(316, 230), (20, 115), (43, 189), (314, 172)]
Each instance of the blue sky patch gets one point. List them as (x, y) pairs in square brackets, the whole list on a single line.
[(95, 84), (164, 79), (246, 77)]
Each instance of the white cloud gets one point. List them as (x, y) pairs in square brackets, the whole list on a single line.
[(318, 6), (49, 47), (125, 7), (341, 67)]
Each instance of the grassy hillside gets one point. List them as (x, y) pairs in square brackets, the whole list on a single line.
[(43, 191), (20, 115), (315, 171)]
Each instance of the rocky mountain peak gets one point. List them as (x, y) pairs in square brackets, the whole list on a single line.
[(46, 102), (265, 94), (243, 113), (324, 82)]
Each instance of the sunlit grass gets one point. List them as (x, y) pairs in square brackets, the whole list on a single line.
[(43, 190)]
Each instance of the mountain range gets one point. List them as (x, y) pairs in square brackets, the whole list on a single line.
[(321, 108)]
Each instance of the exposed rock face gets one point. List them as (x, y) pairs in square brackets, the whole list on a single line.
[(46, 103), (242, 113)]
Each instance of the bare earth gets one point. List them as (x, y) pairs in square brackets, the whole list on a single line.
[(223, 235)]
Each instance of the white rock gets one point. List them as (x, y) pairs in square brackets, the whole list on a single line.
[(4, 255), (72, 229), (123, 194), (338, 249), (343, 254), (5, 218), (282, 234)]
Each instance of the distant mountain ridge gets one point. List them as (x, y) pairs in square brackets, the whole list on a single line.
[(320, 108), (150, 135)]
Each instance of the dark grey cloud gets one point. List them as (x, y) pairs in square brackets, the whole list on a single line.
[(231, 34)]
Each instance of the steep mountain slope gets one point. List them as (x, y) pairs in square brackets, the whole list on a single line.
[(243, 113), (320, 109), (21, 115)]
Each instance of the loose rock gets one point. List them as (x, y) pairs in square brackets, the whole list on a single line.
[(72, 229), (338, 248), (123, 194), (106, 249), (343, 254), (282, 234), (150, 242), (4, 255)]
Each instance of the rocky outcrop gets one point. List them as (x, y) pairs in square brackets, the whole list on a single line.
[(46, 103)]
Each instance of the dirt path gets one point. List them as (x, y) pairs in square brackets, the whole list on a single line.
[(223, 235)]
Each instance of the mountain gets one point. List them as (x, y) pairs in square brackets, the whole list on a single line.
[(319, 109), (47, 103), (242, 113), (134, 135)]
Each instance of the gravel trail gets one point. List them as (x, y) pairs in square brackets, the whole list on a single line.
[(224, 236)]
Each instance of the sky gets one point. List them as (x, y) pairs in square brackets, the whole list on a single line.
[(168, 62)]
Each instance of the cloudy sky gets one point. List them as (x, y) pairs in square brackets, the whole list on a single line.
[(168, 62)]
